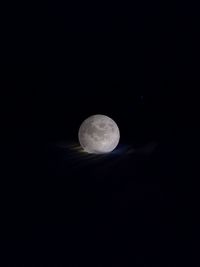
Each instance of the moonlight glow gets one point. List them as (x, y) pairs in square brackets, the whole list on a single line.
[(98, 134)]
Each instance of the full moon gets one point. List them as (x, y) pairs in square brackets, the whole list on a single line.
[(98, 134)]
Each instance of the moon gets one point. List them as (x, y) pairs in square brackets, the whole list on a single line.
[(98, 134)]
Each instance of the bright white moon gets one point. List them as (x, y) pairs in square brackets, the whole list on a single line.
[(98, 134)]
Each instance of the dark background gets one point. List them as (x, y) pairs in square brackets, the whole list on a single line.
[(68, 62)]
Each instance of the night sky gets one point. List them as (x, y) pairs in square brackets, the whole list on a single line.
[(70, 62)]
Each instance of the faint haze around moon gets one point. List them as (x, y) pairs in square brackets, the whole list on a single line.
[(98, 134)]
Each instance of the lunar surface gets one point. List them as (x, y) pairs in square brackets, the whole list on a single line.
[(98, 134)]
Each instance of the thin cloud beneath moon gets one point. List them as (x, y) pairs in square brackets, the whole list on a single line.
[(75, 157)]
